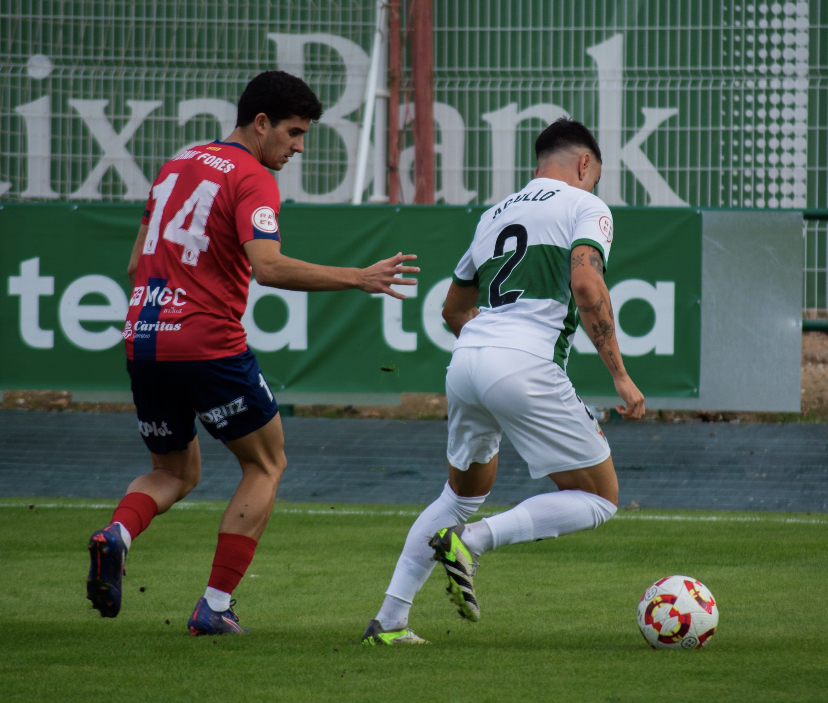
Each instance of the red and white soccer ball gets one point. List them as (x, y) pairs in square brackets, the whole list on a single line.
[(677, 612)]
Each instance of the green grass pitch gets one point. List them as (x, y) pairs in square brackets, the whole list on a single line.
[(558, 617)]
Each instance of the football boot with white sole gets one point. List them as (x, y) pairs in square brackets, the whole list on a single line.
[(374, 635)]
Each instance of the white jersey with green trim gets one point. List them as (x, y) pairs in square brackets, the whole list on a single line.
[(520, 260)]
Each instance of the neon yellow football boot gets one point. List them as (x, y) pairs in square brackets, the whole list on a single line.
[(374, 635), (460, 565)]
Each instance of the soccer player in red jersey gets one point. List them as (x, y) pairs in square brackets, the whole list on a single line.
[(211, 217)]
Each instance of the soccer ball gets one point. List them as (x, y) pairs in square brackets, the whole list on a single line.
[(677, 612)]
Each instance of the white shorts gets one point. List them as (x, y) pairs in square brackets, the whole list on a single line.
[(492, 390)]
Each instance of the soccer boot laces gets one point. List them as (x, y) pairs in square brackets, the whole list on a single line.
[(460, 565), (107, 553), (206, 621), (374, 635)]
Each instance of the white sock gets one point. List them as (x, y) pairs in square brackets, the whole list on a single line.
[(546, 516), (218, 601), (125, 535), (393, 614), (478, 537), (415, 563)]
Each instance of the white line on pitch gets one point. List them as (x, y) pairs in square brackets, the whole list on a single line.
[(198, 505)]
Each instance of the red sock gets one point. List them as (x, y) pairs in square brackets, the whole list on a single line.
[(233, 555), (135, 512)]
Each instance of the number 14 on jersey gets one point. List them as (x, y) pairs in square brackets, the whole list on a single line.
[(198, 204)]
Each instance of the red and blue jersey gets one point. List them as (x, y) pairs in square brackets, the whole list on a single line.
[(193, 274)]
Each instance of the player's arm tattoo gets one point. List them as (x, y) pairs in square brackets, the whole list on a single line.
[(592, 308), (600, 329), (594, 304), (595, 260)]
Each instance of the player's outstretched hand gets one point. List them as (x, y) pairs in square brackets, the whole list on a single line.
[(633, 398), (381, 276)]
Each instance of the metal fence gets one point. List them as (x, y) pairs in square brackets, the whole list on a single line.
[(815, 279), (699, 103), (96, 95)]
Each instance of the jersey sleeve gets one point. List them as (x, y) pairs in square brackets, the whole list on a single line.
[(145, 220), (465, 273), (257, 208), (593, 226)]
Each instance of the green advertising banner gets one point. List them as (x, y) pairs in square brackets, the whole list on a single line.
[(64, 296)]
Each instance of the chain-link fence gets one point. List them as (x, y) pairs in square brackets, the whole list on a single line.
[(706, 104)]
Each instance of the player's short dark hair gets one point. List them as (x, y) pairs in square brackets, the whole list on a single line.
[(565, 133), (278, 95)]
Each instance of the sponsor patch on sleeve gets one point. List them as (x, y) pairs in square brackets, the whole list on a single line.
[(605, 225), (264, 220)]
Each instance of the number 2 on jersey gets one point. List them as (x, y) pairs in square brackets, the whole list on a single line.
[(496, 298), (193, 238)]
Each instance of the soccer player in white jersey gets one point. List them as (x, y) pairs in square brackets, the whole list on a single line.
[(536, 263)]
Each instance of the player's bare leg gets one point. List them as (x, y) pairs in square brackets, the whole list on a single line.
[(262, 459), (599, 480), (261, 455), (173, 476), (477, 480)]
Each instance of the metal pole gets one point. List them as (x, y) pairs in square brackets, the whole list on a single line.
[(394, 74), (369, 100), (379, 193), (423, 64)]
